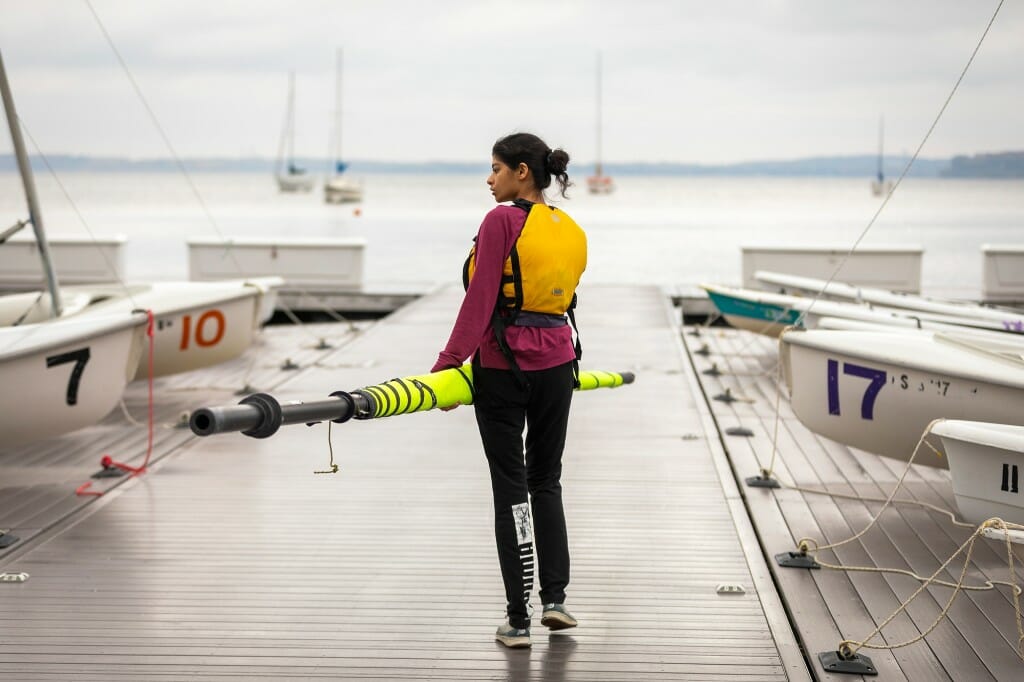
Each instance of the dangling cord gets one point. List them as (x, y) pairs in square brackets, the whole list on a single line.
[(109, 462), (330, 449)]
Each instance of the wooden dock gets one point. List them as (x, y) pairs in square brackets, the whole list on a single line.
[(231, 558)]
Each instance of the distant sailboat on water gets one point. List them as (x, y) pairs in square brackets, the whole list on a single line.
[(880, 186), (339, 189), (599, 183), (290, 178)]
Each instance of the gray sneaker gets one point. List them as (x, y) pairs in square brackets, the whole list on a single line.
[(513, 638), (556, 617)]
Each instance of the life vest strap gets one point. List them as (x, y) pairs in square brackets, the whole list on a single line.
[(578, 346), (498, 324), (526, 318)]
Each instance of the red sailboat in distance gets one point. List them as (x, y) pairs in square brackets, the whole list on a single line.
[(599, 183)]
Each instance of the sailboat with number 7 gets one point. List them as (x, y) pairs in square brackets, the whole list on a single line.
[(58, 374), (879, 390)]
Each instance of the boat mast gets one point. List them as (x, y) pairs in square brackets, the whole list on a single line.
[(338, 167), (34, 216), (291, 122), (881, 135), (598, 165)]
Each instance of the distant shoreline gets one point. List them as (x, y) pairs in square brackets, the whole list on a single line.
[(1001, 165)]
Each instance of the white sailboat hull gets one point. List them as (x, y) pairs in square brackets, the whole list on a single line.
[(985, 462), (768, 313), (196, 324), (341, 190), (881, 188), (878, 391), (64, 374), (199, 324), (296, 183), (1005, 318)]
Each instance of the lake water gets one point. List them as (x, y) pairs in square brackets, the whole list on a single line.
[(669, 231)]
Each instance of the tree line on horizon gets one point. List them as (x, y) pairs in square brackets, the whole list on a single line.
[(987, 165)]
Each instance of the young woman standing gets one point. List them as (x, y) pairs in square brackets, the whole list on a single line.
[(521, 278)]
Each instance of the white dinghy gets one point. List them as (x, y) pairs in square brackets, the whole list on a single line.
[(763, 312), (60, 375), (985, 462), (1008, 318), (197, 324), (878, 391)]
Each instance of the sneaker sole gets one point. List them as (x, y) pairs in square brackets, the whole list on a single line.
[(557, 621), (514, 642)]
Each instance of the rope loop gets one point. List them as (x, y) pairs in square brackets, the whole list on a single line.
[(330, 449)]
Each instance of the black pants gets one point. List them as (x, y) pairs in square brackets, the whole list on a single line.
[(519, 483)]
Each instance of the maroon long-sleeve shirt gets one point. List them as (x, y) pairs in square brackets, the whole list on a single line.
[(533, 347)]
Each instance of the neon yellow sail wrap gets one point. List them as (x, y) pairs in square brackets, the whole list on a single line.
[(451, 387)]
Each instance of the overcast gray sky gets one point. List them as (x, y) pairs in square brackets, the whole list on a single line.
[(684, 81)]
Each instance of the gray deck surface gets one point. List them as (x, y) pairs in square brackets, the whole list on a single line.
[(230, 558), (977, 639)]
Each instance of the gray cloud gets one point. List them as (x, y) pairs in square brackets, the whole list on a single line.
[(684, 81)]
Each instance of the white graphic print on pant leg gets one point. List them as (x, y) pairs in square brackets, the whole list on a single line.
[(524, 536), (524, 529)]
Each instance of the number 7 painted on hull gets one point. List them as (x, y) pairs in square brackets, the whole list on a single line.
[(878, 378)]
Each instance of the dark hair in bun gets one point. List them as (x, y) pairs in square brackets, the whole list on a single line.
[(543, 162)]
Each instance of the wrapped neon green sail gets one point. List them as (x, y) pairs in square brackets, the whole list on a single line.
[(450, 387)]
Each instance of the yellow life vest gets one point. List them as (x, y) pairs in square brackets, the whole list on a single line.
[(543, 269)]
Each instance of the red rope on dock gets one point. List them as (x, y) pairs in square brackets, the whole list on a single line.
[(108, 462)]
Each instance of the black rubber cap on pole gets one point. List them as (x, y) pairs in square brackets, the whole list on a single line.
[(270, 410)]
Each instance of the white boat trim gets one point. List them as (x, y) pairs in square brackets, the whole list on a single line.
[(1010, 319), (1001, 436), (19, 341), (937, 353), (814, 310)]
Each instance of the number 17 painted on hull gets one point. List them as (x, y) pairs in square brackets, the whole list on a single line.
[(878, 378)]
